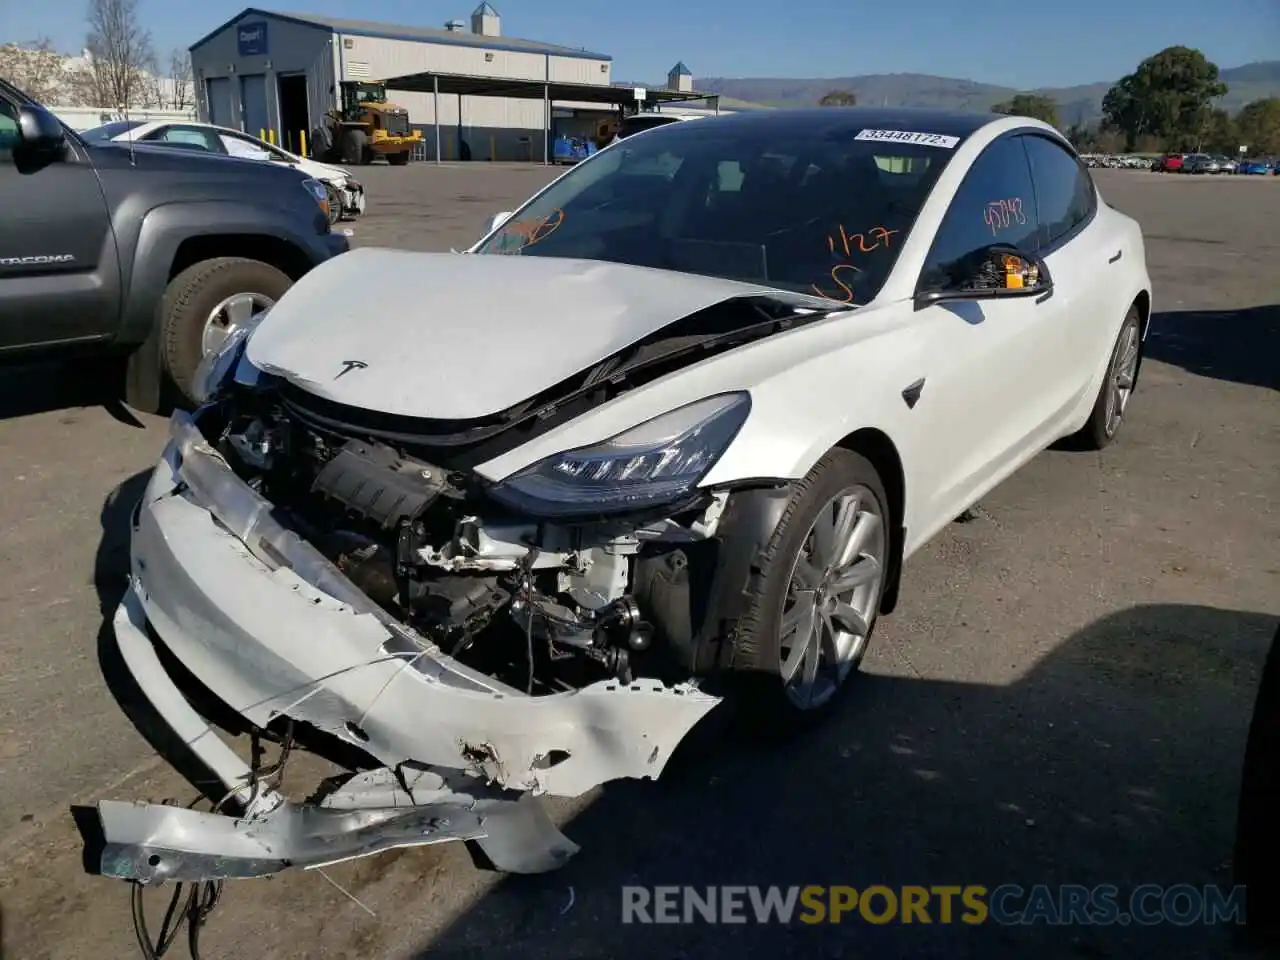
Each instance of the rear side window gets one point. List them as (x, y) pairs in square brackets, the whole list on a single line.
[(188, 137), (994, 205), (1065, 197)]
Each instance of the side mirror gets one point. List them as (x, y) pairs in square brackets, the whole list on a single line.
[(993, 273), (498, 220), (40, 131)]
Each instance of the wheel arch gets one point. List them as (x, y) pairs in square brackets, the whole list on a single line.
[(881, 451)]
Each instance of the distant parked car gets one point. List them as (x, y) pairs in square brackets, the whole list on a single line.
[(1225, 164), (1199, 163), (346, 193), (1254, 167), (1169, 163)]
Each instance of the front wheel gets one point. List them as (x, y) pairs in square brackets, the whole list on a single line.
[(1117, 386), (815, 595), (398, 159), (204, 304)]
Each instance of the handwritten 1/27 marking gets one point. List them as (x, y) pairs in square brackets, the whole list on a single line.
[(1001, 214), (848, 243), (535, 230)]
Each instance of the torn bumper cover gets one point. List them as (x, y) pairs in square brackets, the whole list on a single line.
[(273, 629)]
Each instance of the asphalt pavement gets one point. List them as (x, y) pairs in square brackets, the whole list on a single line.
[(1061, 697)]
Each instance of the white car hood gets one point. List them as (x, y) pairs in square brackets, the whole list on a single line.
[(457, 336)]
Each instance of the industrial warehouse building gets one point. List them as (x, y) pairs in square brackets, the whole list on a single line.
[(280, 72)]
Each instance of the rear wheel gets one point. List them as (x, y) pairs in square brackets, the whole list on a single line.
[(1117, 386), (816, 593), (204, 304), (398, 159)]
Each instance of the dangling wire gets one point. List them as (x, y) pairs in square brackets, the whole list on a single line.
[(202, 896)]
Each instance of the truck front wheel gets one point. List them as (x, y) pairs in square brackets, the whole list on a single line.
[(204, 304), (398, 159), (355, 146)]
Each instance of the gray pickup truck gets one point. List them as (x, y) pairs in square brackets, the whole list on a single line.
[(156, 254)]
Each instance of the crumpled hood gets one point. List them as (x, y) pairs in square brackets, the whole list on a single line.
[(457, 336)]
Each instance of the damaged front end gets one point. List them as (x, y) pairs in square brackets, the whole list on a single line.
[(484, 644)]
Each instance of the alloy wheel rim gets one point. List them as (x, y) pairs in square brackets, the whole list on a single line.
[(1123, 374), (832, 596), (229, 316)]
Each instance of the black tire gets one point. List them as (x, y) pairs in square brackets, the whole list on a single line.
[(1257, 846), (757, 639), (1100, 429), (322, 143), (355, 145), (192, 296), (398, 159), (335, 204)]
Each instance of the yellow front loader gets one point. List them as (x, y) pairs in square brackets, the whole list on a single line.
[(365, 126)]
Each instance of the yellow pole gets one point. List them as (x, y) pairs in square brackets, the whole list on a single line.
[(262, 134), (271, 135), (302, 142)]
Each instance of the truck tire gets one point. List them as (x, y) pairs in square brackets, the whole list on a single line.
[(355, 146), (322, 143), (398, 159), (191, 300)]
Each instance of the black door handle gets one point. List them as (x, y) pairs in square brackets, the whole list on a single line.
[(1119, 254)]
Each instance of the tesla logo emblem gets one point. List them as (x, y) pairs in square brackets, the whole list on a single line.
[(349, 365)]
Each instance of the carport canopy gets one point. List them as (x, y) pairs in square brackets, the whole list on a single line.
[(465, 85)]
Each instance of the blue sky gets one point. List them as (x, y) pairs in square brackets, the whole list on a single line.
[(1046, 44)]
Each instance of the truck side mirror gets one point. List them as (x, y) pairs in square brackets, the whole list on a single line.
[(41, 133)]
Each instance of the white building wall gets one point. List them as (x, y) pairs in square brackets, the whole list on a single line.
[(291, 48), (509, 128)]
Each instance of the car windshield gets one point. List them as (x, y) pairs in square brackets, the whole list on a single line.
[(816, 211), (109, 131)]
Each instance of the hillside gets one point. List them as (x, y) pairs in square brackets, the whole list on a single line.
[(1248, 82)]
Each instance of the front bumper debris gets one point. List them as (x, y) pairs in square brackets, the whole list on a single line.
[(267, 624)]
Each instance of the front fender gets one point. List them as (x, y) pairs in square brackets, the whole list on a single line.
[(163, 230)]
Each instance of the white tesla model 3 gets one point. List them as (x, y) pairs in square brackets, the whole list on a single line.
[(666, 433)]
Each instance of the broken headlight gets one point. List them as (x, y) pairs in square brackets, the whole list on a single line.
[(217, 366), (656, 462)]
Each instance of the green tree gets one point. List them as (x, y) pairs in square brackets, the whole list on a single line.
[(1217, 134), (1167, 97), (1030, 105), (839, 98), (1258, 124)]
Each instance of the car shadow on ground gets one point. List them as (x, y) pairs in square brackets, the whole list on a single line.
[(27, 389), (1242, 346), (1116, 760)]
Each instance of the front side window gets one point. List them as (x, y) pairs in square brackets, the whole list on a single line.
[(1065, 197), (249, 149), (815, 211), (994, 205)]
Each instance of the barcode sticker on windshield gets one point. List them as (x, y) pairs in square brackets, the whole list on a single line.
[(908, 136)]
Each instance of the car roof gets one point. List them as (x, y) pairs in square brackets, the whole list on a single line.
[(954, 123)]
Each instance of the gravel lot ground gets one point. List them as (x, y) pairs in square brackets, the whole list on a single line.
[(1062, 696)]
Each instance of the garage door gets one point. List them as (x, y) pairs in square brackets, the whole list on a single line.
[(253, 94), (221, 108)]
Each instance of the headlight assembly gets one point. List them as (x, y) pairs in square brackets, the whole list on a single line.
[(657, 462), (214, 370)]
